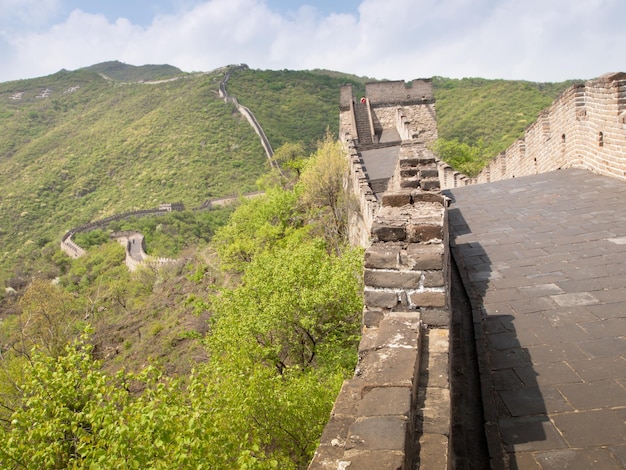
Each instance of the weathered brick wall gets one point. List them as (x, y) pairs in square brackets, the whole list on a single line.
[(398, 92), (584, 127), (378, 418), (420, 119)]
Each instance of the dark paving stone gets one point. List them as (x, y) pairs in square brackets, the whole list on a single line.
[(619, 453), (531, 401), (532, 305), (562, 334), (574, 299), (546, 353), (540, 290), (506, 379), (577, 459), (551, 373), (591, 428), (606, 328), (507, 358), (603, 347), (599, 368), (615, 310), (558, 351), (530, 433), (593, 395), (570, 315), (523, 461)]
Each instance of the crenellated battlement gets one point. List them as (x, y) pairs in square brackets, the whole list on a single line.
[(585, 127)]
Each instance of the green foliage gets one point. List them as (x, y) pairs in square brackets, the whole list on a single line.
[(256, 224), (130, 73), (169, 234), (467, 159), (297, 305), (323, 194), (106, 148), (46, 318)]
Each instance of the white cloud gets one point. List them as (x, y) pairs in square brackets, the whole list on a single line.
[(530, 39)]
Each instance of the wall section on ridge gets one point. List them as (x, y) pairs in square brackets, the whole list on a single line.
[(584, 127)]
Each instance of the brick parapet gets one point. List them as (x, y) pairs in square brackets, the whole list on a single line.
[(381, 416), (584, 127)]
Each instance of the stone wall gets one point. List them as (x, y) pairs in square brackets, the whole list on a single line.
[(584, 127), (407, 108), (399, 92), (383, 418)]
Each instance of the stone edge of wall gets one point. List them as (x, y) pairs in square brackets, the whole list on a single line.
[(378, 419)]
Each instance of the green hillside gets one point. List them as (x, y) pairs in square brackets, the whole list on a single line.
[(211, 360), (76, 146), (121, 72)]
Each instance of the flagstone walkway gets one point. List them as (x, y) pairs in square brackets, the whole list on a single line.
[(544, 261)]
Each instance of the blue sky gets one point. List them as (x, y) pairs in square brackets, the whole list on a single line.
[(538, 40)]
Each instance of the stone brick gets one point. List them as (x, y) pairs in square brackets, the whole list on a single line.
[(434, 279), (371, 460), (388, 233), (392, 279), (428, 299), (396, 199), (386, 401), (435, 317), (430, 184), (416, 233), (378, 298), (382, 256), (429, 173), (408, 162), (423, 257), (408, 172), (378, 433), (389, 366), (426, 160), (410, 183), (424, 196), (433, 452), (372, 318)]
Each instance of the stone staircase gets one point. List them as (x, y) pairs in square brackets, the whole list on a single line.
[(363, 126)]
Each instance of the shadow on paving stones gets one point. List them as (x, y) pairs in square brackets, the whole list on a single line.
[(514, 409)]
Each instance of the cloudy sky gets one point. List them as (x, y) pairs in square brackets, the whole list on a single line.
[(538, 40)]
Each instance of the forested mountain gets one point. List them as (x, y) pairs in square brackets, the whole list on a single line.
[(75, 146), (232, 356)]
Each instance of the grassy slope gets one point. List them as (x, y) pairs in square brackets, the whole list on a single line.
[(292, 106)]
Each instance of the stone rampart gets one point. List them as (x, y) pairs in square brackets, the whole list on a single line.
[(585, 127), (408, 109), (383, 417), (398, 92)]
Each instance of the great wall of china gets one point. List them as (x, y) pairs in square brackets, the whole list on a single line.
[(396, 412), (135, 258)]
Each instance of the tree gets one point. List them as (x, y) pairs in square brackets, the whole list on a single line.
[(291, 156), (256, 224), (323, 191), (297, 306), (461, 156), (47, 317)]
